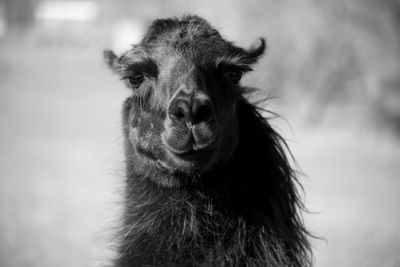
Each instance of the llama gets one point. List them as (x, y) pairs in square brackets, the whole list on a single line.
[(207, 179)]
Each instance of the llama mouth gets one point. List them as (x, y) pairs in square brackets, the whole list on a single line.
[(191, 152), (195, 157), (190, 159)]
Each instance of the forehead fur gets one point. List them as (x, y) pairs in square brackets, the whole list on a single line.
[(192, 37), (189, 27)]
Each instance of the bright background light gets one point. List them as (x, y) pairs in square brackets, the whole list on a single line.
[(67, 10)]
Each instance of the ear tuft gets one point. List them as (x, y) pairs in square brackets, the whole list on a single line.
[(256, 50), (111, 59)]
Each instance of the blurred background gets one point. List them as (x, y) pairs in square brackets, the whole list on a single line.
[(332, 71)]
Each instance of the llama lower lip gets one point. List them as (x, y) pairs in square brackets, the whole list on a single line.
[(194, 155)]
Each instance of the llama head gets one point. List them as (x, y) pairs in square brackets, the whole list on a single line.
[(184, 77)]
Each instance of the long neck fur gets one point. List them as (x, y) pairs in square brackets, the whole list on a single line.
[(246, 212)]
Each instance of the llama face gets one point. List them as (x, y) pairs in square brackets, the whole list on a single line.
[(181, 117)]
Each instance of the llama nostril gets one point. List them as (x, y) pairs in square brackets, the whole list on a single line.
[(179, 111), (198, 111), (202, 111)]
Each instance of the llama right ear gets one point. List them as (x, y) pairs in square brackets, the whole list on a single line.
[(256, 51), (111, 60)]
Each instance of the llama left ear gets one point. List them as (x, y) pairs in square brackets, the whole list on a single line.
[(111, 60), (255, 51)]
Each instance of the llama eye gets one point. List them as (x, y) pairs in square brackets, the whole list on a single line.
[(233, 76), (136, 80)]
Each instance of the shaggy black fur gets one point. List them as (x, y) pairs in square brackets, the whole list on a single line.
[(244, 211)]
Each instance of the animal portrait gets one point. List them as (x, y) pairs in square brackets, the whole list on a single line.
[(208, 181)]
